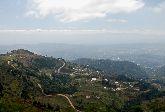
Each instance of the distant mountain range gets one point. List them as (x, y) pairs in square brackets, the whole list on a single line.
[(147, 55)]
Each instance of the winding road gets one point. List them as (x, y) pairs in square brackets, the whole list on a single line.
[(59, 70), (66, 97), (70, 102)]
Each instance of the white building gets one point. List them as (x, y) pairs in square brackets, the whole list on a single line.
[(93, 79)]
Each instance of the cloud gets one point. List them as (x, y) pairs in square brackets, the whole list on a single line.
[(151, 32), (160, 8), (117, 20), (76, 10)]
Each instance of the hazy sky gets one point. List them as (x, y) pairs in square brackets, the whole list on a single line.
[(106, 20)]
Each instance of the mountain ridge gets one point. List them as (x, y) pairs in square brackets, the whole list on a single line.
[(114, 67)]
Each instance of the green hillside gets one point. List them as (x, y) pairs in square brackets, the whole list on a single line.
[(35, 83)]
